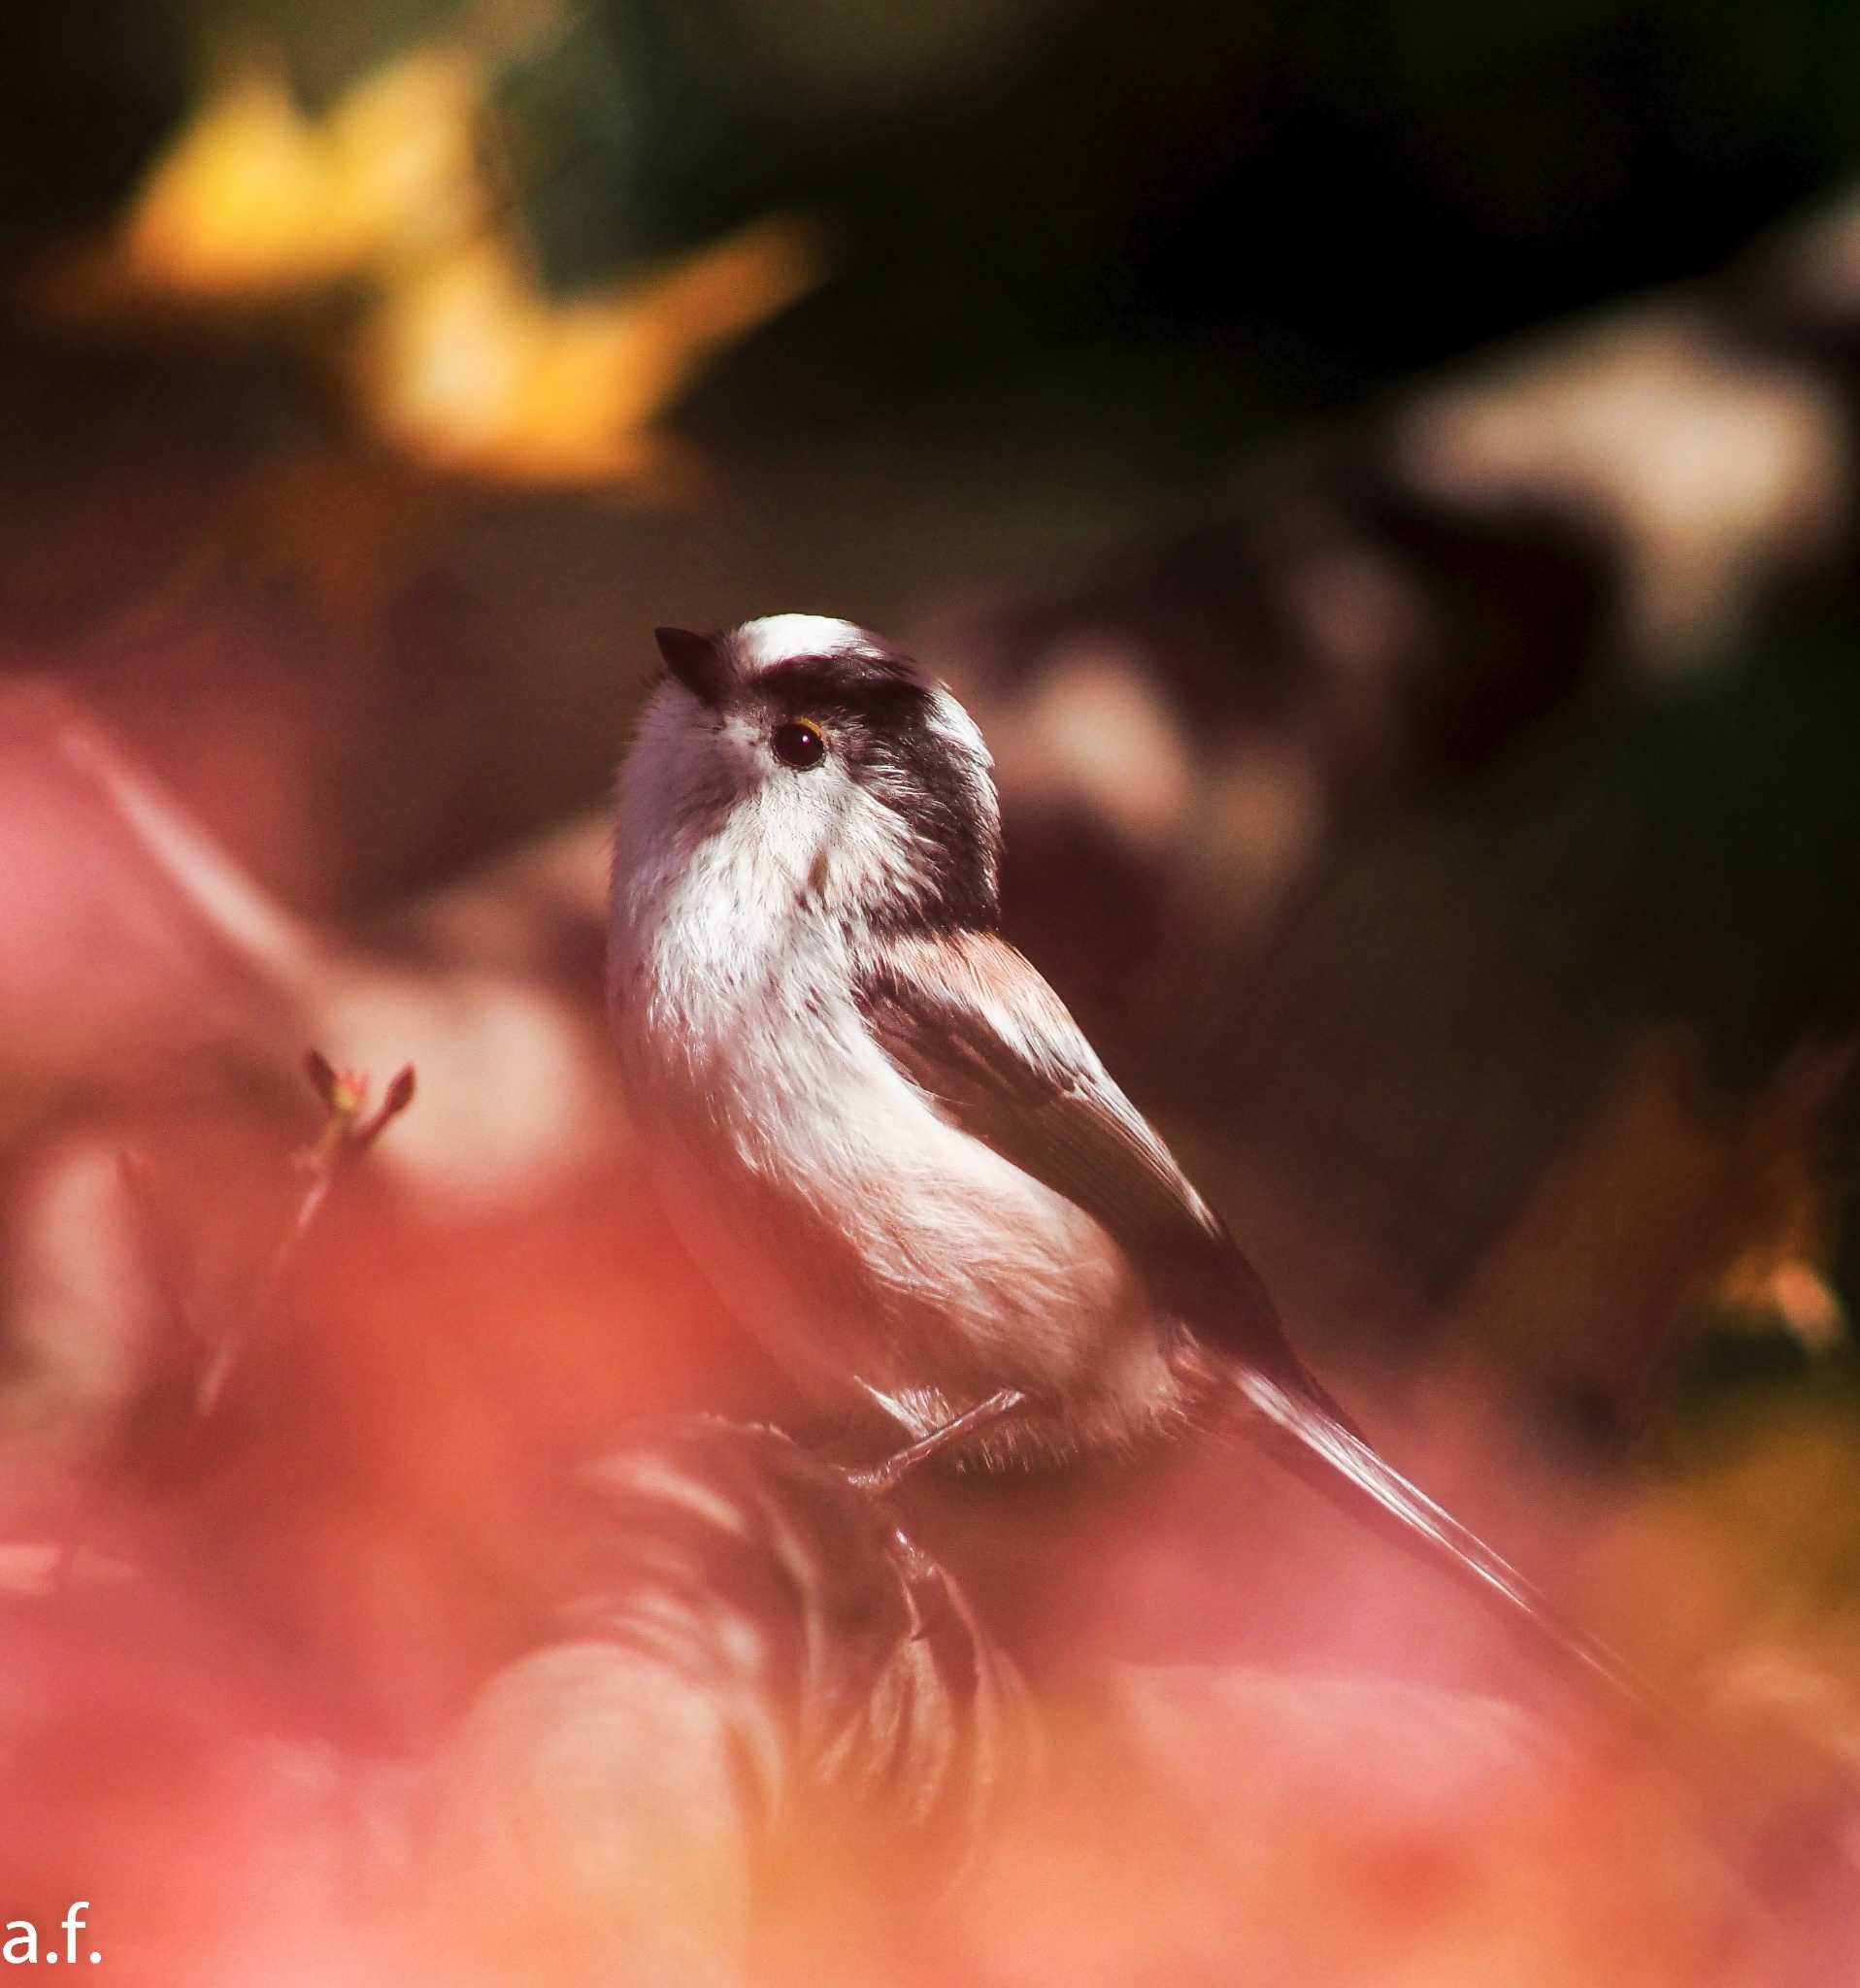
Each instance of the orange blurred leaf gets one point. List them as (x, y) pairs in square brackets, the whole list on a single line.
[(256, 200), (469, 365)]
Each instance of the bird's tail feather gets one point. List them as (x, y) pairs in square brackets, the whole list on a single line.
[(1315, 1438)]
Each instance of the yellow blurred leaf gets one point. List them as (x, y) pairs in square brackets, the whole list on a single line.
[(461, 361), (467, 364), (254, 199), (408, 160)]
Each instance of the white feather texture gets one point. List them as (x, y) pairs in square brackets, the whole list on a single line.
[(776, 638)]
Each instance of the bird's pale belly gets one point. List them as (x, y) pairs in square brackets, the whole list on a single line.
[(945, 1275)]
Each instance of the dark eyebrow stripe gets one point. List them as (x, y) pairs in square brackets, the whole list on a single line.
[(863, 682)]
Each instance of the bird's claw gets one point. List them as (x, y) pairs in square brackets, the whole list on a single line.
[(885, 1477)]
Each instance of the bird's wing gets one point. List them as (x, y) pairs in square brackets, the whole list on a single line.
[(979, 1031), (975, 1028)]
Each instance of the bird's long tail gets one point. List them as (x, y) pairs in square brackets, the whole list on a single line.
[(1802, 1849), (1313, 1438)]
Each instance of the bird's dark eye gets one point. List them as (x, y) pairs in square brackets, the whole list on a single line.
[(799, 743)]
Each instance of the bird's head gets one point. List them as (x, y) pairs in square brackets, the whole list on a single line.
[(820, 759)]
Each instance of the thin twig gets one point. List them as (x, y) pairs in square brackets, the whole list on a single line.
[(347, 1133)]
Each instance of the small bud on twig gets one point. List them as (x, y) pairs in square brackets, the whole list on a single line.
[(343, 1136)]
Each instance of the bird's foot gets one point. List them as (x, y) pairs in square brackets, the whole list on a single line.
[(886, 1477)]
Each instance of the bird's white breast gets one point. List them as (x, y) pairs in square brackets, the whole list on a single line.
[(873, 1246), (867, 1240)]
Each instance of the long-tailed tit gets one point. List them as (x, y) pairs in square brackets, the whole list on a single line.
[(875, 1124)]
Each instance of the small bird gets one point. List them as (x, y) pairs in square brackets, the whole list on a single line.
[(877, 1128)]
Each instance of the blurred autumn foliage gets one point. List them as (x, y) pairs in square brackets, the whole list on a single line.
[(1443, 818)]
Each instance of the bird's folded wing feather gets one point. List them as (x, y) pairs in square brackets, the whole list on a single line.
[(977, 1029), (973, 1026)]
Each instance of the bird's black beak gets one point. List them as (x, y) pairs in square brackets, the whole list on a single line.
[(697, 661)]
